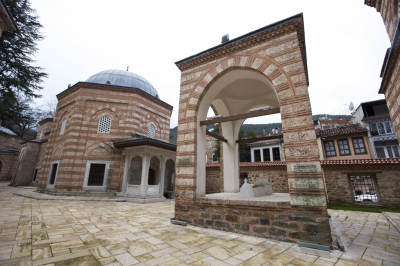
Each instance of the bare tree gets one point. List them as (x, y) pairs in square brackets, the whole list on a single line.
[(49, 107)]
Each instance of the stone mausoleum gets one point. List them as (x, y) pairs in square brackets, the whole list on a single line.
[(109, 135), (264, 68)]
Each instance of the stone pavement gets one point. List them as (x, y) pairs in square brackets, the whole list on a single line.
[(67, 232)]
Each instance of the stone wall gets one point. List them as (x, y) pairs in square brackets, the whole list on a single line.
[(388, 183), (214, 180), (7, 160), (277, 220), (8, 141), (336, 178)]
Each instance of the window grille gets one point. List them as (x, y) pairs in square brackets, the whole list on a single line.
[(151, 132), (380, 152), (104, 125), (257, 156), (276, 154), (344, 148), (359, 146), (267, 155), (96, 174), (364, 187), (63, 125), (330, 148), (53, 173)]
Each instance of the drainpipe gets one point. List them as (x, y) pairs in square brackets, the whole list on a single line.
[(326, 192)]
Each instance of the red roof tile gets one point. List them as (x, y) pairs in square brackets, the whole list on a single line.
[(344, 130), (362, 161)]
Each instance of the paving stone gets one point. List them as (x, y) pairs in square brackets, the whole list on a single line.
[(110, 233)]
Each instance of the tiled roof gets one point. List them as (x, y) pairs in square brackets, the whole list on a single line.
[(376, 161), (263, 142), (277, 163), (244, 164), (362, 161), (344, 130)]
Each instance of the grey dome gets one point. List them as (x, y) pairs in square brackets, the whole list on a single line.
[(123, 78)]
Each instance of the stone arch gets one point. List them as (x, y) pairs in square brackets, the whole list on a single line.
[(99, 150), (65, 115), (156, 125), (154, 171), (273, 71), (95, 115), (270, 96)]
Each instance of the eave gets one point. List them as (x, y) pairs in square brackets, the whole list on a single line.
[(7, 19), (144, 141), (389, 63)]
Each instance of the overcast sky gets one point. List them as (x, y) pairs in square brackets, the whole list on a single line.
[(345, 40)]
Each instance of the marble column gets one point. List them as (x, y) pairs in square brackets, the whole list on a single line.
[(145, 175), (126, 173)]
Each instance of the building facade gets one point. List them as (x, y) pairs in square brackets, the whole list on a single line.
[(102, 129)]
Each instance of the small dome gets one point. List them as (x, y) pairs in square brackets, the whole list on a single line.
[(123, 78)]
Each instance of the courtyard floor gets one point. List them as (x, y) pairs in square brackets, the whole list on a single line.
[(51, 230)]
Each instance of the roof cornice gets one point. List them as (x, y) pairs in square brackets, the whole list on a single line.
[(294, 23), (6, 17), (87, 85)]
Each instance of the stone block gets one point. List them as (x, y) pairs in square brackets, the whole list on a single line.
[(216, 216), (276, 231), (259, 229), (205, 215), (288, 224), (231, 218), (264, 221), (222, 224), (242, 227), (250, 220)]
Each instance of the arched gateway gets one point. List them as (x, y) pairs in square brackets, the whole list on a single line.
[(267, 67)]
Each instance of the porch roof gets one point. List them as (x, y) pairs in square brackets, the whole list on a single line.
[(135, 142)]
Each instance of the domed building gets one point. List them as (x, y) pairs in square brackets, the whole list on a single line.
[(109, 135)]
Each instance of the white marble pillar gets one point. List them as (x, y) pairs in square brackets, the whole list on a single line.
[(145, 175), (126, 173), (162, 179)]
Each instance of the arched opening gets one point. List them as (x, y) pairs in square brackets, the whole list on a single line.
[(136, 171), (154, 171), (169, 179), (236, 91)]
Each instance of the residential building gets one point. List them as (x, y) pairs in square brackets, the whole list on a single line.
[(382, 136)]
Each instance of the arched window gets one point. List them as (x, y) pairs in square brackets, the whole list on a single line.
[(104, 125), (63, 125), (151, 132)]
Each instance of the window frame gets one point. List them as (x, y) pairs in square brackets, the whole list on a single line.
[(254, 154), (51, 170), (279, 154), (348, 144), (334, 148), (87, 171), (363, 142), (374, 179)]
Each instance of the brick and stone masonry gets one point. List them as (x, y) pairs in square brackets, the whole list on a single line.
[(131, 111), (276, 52), (390, 73), (386, 171)]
